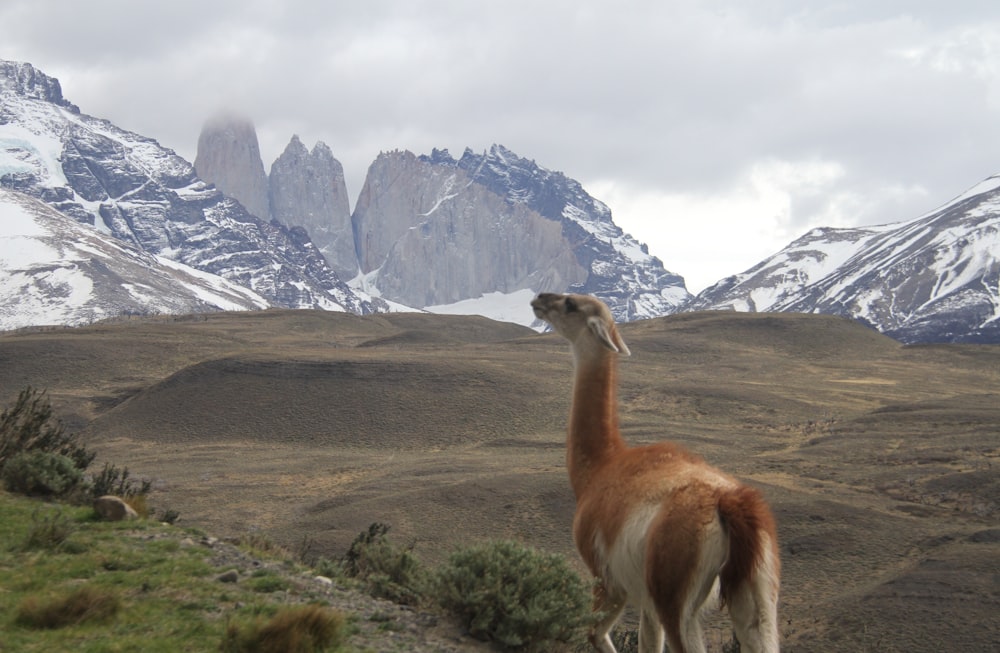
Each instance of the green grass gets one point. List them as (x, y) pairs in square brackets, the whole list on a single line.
[(126, 586)]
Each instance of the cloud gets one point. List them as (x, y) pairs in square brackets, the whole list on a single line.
[(746, 123)]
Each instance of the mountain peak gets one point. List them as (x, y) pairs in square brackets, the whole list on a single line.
[(27, 81), (229, 157)]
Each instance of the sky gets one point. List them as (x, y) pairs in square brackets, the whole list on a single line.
[(716, 131)]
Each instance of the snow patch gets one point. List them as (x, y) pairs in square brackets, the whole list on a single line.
[(503, 307), (25, 152)]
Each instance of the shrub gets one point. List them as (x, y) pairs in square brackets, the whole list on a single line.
[(516, 596), (304, 629), (84, 604), (389, 572), (260, 544), (114, 481), (29, 425), (170, 516), (40, 473)]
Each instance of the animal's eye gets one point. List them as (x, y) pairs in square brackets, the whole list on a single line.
[(570, 305)]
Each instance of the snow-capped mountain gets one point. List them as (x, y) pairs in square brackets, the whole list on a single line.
[(932, 279), (132, 188), (55, 270), (479, 234)]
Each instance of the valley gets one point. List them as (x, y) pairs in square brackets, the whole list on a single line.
[(879, 460)]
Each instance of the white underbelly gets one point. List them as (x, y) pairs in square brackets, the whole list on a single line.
[(624, 561)]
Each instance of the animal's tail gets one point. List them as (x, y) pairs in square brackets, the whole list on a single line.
[(746, 519)]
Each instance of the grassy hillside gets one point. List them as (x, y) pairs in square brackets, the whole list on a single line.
[(879, 460), (73, 583)]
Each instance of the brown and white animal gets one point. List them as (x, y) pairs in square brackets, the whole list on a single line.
[(657, 526)]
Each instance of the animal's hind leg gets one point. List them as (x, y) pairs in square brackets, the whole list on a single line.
[(685, 550), (610, 605), (753, 608)]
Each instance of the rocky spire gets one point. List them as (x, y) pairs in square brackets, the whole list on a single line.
[(229, 157), (307, 189)]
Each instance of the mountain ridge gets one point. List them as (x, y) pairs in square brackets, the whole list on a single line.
[(472, 234), (935, 278)]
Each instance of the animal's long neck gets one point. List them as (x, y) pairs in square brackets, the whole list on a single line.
[(593, 436)]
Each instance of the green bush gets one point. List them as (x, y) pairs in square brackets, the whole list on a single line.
[(304, 629), (516, 596), (389, 572), (115, 481), (40, 473), (29, 425)]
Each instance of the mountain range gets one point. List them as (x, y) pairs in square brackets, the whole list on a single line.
[(99, 222), (932, 279)]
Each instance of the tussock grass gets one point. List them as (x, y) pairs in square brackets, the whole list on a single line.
[(83, 605), (304, 629)]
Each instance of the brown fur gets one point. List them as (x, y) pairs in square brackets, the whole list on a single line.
[(744, 515), (658, 510)]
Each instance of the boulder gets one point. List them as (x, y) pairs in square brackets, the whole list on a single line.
[(112, 508)]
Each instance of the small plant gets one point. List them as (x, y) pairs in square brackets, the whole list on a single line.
[(305, 629), (48, 533), (390, 572), (516, 596), (41, 473), (29, 425), (266, 582), (140, 504), (84, 604), (115, 481), (170, 516), (625, 640), (260, 544)]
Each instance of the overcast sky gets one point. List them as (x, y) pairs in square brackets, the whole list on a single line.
[(717, 132)]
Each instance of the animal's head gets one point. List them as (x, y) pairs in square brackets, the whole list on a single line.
[(583, 320)]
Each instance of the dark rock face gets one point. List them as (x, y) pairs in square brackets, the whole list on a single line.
[(307, 190), (229, 157), (25, 80)]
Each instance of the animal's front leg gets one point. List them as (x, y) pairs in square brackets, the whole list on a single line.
[(609, 606), (650, 633)]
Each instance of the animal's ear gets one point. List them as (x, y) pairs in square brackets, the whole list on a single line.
[(608, 337)]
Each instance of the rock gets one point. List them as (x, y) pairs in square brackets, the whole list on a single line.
[(229, 157), (412, 212), (129, 187), (230, 576), (307, 190), (434, 230), (112, 508)]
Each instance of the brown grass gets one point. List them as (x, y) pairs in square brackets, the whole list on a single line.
[(305, 629), (84, 604), (878, 459)]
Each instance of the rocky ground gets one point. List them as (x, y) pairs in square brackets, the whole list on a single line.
[(376, 624)]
